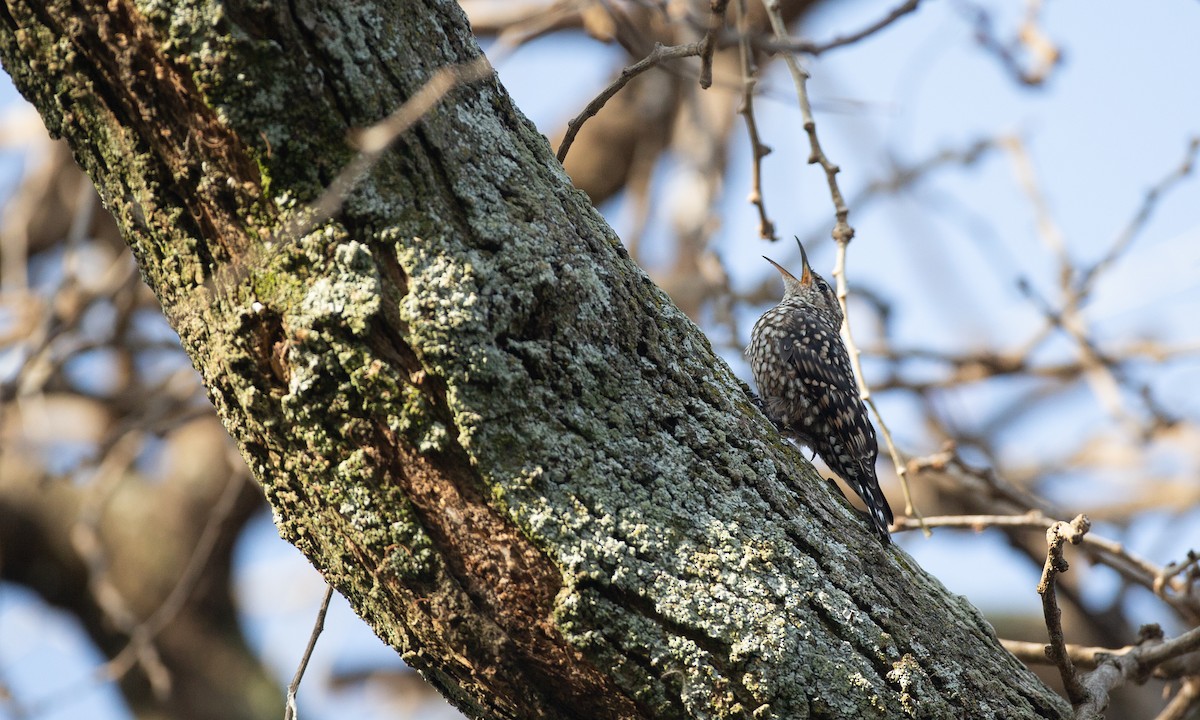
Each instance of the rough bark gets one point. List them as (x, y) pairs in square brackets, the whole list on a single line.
[(489, 430)]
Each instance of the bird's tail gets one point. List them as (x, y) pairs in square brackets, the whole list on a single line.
[(867, 487)]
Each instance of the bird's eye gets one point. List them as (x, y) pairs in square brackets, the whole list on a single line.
[(829, 294)]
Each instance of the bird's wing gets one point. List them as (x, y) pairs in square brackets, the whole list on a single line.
[(818, 357)]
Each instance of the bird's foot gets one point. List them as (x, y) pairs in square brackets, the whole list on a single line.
[(757, 402)]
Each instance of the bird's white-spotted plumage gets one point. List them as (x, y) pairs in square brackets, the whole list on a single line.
[(804, 378)]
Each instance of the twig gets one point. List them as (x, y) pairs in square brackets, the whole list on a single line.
[(1056, 563), (1183, 703), (85, 533), (1135, 665), (716, 21), (145, 633), (842, 232), (1142, 572), (86, 540), (1154, 652), (1047, 228), (901, 467), (1033, 520), (371, 144), (1101, 373), (1098, 372), (1130, 232), (970, 367), (140, 648), (660, 54), (766, 228), (519, 23), (813, 48), (1173, 570), (1099, 549), (372, 141), (1047, 55), (904, 177), (290, 712), (1089, 658), (1034, 653)]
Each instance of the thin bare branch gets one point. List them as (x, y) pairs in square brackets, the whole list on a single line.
[(901, 467), (519, 23), (1184, 703), (290, 712), (1174, 570), (1129, 565), (140, 649), (1084, 657), (716, 22), (1089, 658), (842, 232), (766, 228), (145, 633), (1139, 220), (1099, 373), (1056, 563), (1045, 54), (85, 538), (814, 48), (373, 141), (660, 54), (1135, 665)]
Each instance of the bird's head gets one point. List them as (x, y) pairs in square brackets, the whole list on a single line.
[(809, 290)]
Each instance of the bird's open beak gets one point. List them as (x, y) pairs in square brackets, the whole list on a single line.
[(780, 268), (806, 276)]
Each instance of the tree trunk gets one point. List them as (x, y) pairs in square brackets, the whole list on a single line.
[(487, 428)]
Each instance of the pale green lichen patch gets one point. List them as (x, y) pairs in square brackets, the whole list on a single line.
[(356, 474), (440, 289), (913, 683), (412, 417), (349, 296), (337, 389)]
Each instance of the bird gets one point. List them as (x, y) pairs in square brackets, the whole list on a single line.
[(807, 388)]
